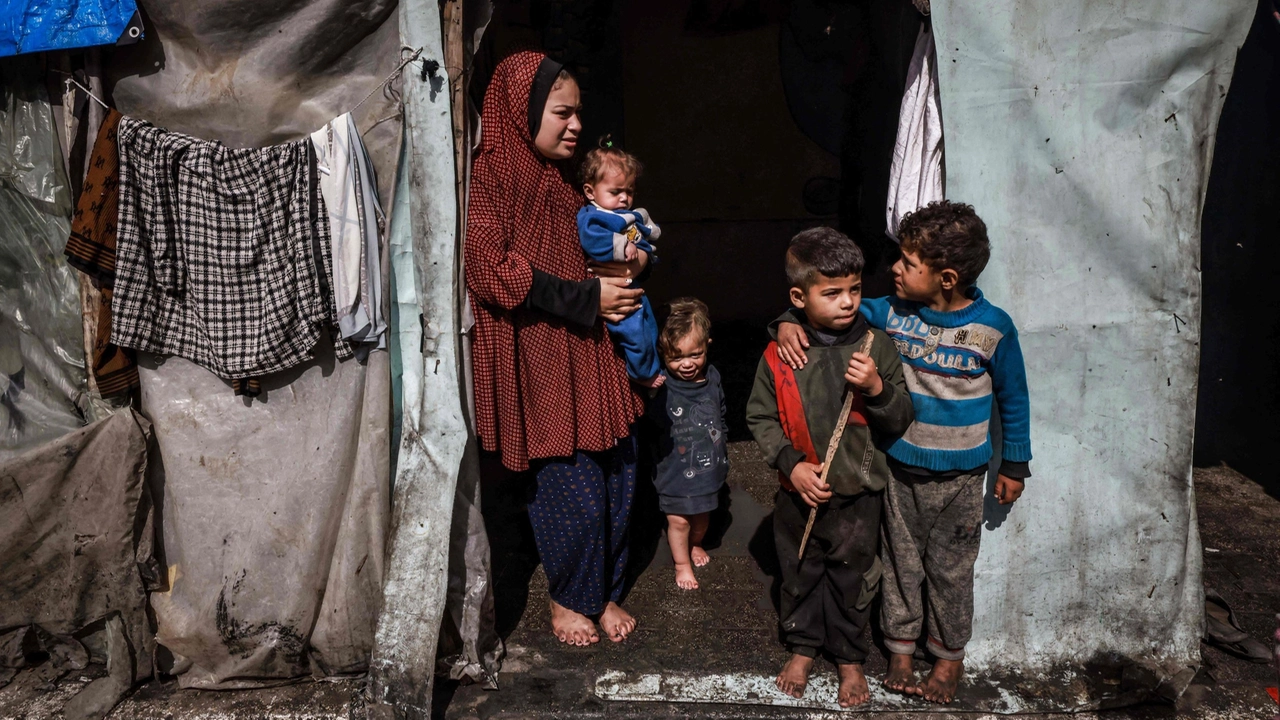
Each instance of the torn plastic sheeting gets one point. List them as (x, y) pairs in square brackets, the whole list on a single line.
[(433, 447), (76, 545), (469, 646), (1092, 191), (34, 25), (42, 373)]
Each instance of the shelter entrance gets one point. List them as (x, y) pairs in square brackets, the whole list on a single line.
[(754, 121)]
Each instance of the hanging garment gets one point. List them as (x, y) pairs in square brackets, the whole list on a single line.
[(917, 176), (91, 249), (221, 256), (356, 223)]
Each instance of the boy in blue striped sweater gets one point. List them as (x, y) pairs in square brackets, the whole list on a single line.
[(959, 352)]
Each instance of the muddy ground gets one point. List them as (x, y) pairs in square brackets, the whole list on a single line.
[(728, 628)]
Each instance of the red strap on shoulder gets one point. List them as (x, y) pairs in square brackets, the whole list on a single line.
[(790, 410)]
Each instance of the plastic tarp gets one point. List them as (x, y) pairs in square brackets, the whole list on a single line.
[(35, 25), (1082, 133), (76, 552), (274, 512), (42, 371)]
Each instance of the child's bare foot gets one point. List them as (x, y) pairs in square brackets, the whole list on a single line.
[(685, 577), (652, 383), (616, 623), (700, 556), (794, 677), (901, 677), (853, 686), (572, 628), (944, 678)]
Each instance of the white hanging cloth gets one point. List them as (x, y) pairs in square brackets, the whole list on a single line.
[(356, 221), (916, 177)]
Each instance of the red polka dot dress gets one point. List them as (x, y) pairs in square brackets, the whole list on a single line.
[(549, 394), (544, 388)]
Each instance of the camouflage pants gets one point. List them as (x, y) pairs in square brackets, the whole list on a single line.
[(929, 543)]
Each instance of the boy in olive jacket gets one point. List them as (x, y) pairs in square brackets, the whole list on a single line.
[(826, 595)]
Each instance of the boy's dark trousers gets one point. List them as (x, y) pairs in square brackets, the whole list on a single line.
[(826, 597)]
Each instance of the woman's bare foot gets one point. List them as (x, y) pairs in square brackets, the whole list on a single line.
[(700, 556), (794, 677), (572, 628), (944, 678), (685, 578), (853, 686), (616, 623), (901, 677)]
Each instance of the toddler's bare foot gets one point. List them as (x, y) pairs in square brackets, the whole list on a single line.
[(901, 677), (616, 623), (699, 556), (652, 383), (572, 628), (794, 677), (944, 678), (685, 577), (853, 686)]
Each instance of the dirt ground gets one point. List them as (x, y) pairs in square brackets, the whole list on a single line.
[(727, 629)]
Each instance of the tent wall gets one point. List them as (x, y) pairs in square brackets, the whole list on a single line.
[(274, 512), (1082, 133)]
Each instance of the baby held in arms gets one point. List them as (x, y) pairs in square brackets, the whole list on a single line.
[(611, 231)]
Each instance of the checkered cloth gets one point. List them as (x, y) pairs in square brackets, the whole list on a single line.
[(222, 255)]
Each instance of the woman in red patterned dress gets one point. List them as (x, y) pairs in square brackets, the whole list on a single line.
[(552, 395)]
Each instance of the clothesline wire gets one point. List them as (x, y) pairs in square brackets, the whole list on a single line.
[(392, 77), (70, 79)]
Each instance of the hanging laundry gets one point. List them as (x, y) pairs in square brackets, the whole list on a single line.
[(356, 226), (222, 255), (917, 176), (91, 249)]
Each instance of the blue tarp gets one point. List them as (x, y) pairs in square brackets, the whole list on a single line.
[(34, 25)]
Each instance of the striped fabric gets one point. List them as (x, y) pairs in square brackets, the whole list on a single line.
[(957, 364)]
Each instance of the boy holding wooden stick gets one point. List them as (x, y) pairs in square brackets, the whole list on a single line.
[(960, 354), (850, 400)]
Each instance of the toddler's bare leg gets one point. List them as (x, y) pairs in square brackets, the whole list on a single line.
[(697, 531), (678, 539)]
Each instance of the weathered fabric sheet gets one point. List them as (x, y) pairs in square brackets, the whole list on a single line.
[(274, 512), (1082, 133), (274, 518), (76, 534)]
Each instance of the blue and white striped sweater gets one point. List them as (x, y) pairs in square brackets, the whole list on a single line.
[(956, 362)]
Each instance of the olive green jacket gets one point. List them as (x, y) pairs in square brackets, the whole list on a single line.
[(859, 464)]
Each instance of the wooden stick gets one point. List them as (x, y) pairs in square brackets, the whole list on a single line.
[(835, 442)]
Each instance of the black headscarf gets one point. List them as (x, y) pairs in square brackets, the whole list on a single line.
[(548, 71)]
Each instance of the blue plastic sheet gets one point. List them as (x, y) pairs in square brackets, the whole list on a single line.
[(34, 25)]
